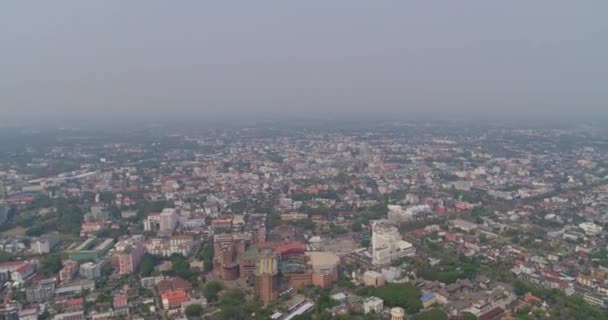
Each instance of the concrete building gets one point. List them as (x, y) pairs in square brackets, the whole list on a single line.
[(69, 270), (373, 304), (130, 253), (373, 279), (266, 275), (174, 299), (168, 220), (45, 245), (78, 315), (92, 249), (90, 270), (42, 292), (387, 243), (591, 229), (324, 267), (397, 313)]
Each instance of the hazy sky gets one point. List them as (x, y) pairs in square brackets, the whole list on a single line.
[(108, 58)]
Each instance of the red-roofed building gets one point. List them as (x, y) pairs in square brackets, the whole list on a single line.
[(492, 314), (174, 299), (120, 301), (75, 304), (173, 284), (10, 266), (23, 272), (295, 247)]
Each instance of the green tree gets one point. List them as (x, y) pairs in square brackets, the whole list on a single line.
[(194, 310), (468, 316), (404, 295), (433, 314), (212, 289), (147, 265), (181, 268), (232, 297), (50, 264)]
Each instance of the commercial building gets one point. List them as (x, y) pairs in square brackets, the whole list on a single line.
[(267, 279), (324, 267), (129, 253), (90, 270), (373, 279), (168, 220), (387, 243)]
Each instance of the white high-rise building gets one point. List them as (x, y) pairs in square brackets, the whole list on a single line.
[(387, 244)]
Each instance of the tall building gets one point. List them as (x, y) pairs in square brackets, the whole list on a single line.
[(45, 244), (130, 253), (387, 244), (90, 270), (168, 220), (69, 270), (267, 279)]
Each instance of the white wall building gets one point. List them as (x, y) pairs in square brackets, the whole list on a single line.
[(373, 304), (387, 244)]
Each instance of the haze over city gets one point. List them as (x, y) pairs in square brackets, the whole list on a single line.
[(303, 160), (152, 59)]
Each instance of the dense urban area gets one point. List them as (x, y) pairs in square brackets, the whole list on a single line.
[(295, 221)]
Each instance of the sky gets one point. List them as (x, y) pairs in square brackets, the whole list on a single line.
[(106, 59)]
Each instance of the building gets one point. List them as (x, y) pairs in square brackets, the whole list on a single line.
[(43, 291), (183, 245), (90, 270), (266, 275), (168, 220), (9, 311), (22, 273), (373, 305), (92, 249), (428, 299), (174, 299), (591, 229), (78, 315), (373, 279), (126, 214), (397, 313), (463, 225), (387, 244), (69, 270), (45, 245), (397, 214), (119, 302), (152, 222), (324, 267), (392, 274), (129, 253), (172, 284)]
